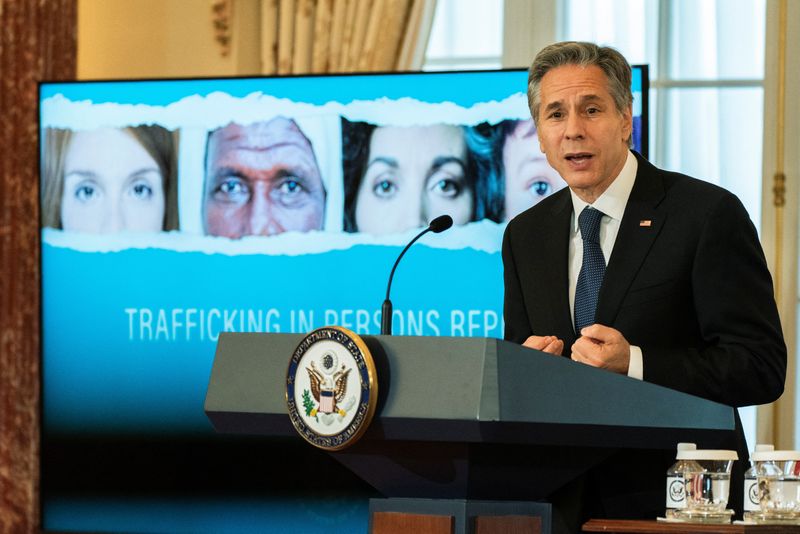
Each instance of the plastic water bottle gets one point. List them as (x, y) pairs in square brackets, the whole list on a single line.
[(751, 494), (676, 485)]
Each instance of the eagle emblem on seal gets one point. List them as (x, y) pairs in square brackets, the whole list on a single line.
[(328, 385), (331, 388)]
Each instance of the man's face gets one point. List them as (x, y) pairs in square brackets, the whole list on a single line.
[(262, 179), (581, 131)]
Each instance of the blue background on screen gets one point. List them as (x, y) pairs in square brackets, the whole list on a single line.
[(458, 87), (461, 88), (111, 369), (235, 516)]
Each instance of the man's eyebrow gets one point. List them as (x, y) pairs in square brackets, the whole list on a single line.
[(229, 171), (590, 98), (553, 105)]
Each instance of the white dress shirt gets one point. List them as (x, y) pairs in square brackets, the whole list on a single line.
[(612, 203)]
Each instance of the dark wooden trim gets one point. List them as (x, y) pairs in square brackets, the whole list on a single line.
[(38, 41)]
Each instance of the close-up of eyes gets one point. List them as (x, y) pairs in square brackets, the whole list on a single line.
[(540, 188), (290, 190), (141, 190), (232, 189), (447, 178), (87, 191), (447, 187), (384, 187)]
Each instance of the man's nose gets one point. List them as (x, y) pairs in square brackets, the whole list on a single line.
[(262, 215), (574, 126)]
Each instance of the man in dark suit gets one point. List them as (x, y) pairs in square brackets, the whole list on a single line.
[(669, 284)]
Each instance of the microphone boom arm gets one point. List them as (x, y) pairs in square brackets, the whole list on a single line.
[(438, 225), (386, 309)]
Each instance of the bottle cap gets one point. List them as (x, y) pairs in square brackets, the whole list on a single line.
[(708, 454), (687, 447), (775, 456)]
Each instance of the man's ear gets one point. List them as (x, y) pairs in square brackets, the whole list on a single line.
[(627, 127)]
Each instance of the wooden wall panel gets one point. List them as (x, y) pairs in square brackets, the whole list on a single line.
[(38, 42)]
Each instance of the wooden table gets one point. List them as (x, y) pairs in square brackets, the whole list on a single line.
[(619, 526)]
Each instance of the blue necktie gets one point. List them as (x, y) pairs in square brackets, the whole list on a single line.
[(592, 269)]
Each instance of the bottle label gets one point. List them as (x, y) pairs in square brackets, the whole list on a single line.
[(751, 498), (676, 492)]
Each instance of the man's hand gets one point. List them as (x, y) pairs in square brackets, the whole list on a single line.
[(550, 344), (604, 347)]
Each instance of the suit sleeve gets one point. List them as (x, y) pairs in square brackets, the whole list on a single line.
[(741, 357), (517, 325)]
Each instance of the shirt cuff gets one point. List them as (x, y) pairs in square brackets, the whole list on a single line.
[(635, 365)]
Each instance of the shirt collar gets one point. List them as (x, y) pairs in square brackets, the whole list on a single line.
[(614, 199)]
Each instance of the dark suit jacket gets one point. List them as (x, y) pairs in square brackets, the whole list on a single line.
[(690, 287)]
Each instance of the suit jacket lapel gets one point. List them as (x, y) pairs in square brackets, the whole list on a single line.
[(556, 253), (640, 225)]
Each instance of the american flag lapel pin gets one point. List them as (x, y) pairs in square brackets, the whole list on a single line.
[(646, 223)]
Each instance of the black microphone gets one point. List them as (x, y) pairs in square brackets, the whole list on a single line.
[(438, 225)]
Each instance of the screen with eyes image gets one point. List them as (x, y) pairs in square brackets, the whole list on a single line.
[(173, 210)]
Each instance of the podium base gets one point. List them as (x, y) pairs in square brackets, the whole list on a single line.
[(458, 516)]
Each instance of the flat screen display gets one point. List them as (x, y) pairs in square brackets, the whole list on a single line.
[(173, 210)]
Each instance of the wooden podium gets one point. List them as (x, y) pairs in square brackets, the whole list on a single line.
[(476, 430)]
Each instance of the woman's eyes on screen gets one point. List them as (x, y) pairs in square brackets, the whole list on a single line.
[(447, 187), (86, 192), (141, 190), (384, 188), (446, 182)]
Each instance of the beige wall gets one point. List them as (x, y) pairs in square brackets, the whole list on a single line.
[(163, 38)]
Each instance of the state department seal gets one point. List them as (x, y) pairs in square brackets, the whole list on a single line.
[(331, 388)]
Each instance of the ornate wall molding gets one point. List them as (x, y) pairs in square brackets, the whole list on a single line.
[(222, 21)]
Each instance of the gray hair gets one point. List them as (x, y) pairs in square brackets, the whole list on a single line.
[(610, 61)]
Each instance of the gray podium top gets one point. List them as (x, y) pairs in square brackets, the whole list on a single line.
[(469, 390)]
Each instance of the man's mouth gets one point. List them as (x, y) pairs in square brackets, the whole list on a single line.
[(578, 158), (579, 161)]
